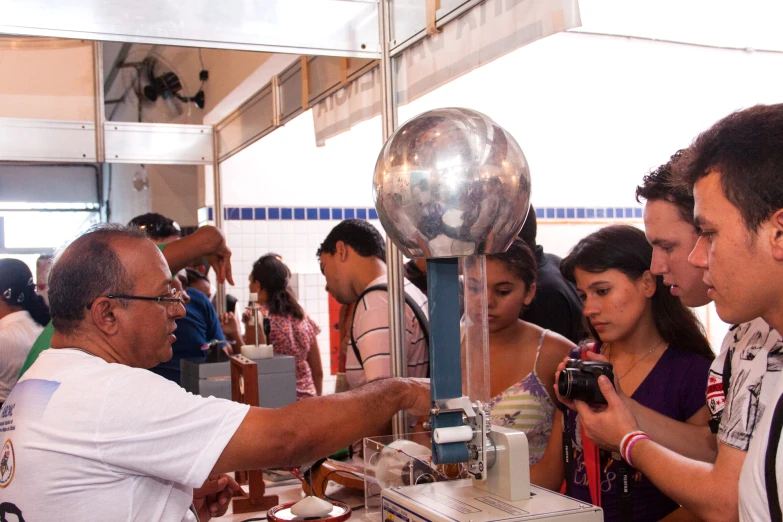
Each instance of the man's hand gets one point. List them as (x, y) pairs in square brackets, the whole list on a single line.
[(212, 498), (607, 428), (220, 260), (420, 401), (229, 325)]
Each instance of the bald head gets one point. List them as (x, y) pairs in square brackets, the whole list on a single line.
[(92, 266)]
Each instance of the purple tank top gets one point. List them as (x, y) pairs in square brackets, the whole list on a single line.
[(675, 388)]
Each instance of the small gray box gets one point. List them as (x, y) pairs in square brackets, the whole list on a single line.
[(276, 380)]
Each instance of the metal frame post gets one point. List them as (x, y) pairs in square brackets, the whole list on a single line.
[(397, 348), (100, 109), (220, 299)]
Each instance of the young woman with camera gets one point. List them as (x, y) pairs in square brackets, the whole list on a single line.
[(523, 356), (660, 359)]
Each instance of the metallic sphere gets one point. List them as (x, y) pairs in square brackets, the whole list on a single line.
[(451, 182)]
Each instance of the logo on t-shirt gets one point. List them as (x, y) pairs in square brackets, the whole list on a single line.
[(716, 397), (7, 464)]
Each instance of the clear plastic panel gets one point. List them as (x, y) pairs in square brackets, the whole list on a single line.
[(391, 462), (474, 329)]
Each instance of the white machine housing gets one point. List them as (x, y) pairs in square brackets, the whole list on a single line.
[(505, 493)]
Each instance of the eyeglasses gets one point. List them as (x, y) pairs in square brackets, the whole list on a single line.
[(174, 297)]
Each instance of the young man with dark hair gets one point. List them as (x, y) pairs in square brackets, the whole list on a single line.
[(668, 223), (91, 432), (736, 171), (353, 261), (556, 305), (684, 460)]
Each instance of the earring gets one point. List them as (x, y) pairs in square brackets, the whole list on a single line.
[(7, 294)]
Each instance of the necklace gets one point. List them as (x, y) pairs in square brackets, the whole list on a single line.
[(640, 359)]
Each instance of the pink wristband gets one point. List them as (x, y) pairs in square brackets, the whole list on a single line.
[(631, 444), (627, 439)]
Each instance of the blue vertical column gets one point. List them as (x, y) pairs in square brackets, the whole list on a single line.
[(445, 356)]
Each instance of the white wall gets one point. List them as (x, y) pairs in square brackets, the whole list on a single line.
[(174, 192), (126, 202)]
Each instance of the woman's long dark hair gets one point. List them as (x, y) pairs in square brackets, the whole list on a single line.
[(625, 248), (273, 276), (17, 289)]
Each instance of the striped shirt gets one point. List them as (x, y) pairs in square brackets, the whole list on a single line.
[(371, 332)]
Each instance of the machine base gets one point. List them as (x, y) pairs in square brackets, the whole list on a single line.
[(459, 501)]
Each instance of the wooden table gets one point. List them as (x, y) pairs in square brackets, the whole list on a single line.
[(291, 491)]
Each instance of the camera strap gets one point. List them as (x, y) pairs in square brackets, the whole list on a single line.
[(591, 454), (592, 460), (568, 456), (418, 313), (624, 504), (770, 463)]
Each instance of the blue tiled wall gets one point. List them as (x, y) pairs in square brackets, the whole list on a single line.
[(339, 213)]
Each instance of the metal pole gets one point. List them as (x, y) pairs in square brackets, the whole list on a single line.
[(397, 348), (220, 300), (100, 114)]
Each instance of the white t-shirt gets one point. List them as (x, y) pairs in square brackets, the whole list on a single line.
[(756, 355), (83, 439), (18, 332), (371, 332), (752, 485)]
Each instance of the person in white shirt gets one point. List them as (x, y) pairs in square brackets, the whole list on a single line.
[(89, 434), (23, 314)]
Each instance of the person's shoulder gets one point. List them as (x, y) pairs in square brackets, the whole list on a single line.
[(558, 343), (129, 379), (198, 295), (413, 291), (555, 348), (752, 330), (199, 300), (552, 258)]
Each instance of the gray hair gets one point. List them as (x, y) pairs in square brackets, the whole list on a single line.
[(86, 270)]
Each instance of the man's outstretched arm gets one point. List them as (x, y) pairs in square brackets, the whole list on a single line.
[(313, 428)]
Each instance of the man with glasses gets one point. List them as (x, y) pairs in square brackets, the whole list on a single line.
[(91, 434), (206, 242)]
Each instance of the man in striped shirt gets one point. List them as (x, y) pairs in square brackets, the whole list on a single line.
[(353, 260)]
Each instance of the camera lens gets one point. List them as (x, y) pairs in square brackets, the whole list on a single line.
[(564, 383), (579, 385)]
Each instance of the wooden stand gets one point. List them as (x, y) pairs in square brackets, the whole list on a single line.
[(244, 389), (333, 471)]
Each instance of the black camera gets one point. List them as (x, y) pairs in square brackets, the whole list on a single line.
[(579, 380)]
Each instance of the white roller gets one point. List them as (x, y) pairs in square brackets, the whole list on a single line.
[(455, 434)]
